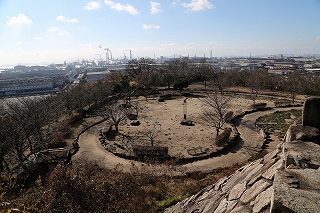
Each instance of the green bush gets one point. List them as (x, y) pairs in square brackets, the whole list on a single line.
[(171, 201)]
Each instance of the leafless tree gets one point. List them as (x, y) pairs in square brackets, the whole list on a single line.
[(136, 106), (66, 97), (167, 76), (214, 108), (203, 72), (151, 131), (116, 114), (293, 84), (99, 91), (5, 145), (220, 81)]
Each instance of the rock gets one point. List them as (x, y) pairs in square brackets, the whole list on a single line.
[(241, 209), (264, 168), (135, 123), (270, 155), (311, 113), (209, 205), (263, 200), (237, 191), (307, 179), (272, 170), (242, 176), (302, 154), (186, 122), (231, 205), (287, 199), (221, 182), (254, 190), (303, 133), (222, 206)]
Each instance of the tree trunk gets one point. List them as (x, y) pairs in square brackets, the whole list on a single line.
[(117, 127)]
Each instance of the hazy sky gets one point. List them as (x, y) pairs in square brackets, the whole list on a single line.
[(53, 31)]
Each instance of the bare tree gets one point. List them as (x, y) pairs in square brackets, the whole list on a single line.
[(220, 81), (5, 143), (136, 106), (27, 128), (293, 84), (214, 108), (203, 72), (151, 132), (116, 114)]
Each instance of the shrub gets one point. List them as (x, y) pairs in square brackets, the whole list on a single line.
[(180, 83), (171, 201), (65, 128), (259, 105), (147, 152), (74, 118), (56, 140), (222, 138), (281, 103), (228, 116)]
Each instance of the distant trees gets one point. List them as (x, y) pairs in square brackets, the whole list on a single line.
[(137, 66), (180, 83), (203, 72), (293, 84)]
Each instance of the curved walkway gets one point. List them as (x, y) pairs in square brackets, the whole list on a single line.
[(251, 140)]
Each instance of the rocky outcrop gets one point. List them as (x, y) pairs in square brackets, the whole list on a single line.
[(310, 114), (285, 180)]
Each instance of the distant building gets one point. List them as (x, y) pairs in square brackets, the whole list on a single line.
[(20, 88), (280, 70)]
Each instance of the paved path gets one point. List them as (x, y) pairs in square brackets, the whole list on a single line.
[(251, 140), (91, 150)]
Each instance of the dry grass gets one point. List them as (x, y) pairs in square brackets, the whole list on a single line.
[(87, 188)]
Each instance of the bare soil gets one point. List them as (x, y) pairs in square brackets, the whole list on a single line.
[(180, 139)]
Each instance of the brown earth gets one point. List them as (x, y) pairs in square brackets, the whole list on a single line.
[(167, 115)]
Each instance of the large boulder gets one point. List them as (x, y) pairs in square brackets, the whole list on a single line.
[(302, 133), (311, 112)]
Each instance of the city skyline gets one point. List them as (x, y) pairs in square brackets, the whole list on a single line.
[(41, 32)]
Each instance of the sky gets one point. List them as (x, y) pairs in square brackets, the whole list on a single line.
[(54, 31)]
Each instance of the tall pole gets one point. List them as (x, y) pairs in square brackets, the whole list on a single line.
[(185, 108)]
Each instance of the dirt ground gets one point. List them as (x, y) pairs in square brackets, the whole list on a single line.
[(179, 139), (167, 117)]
